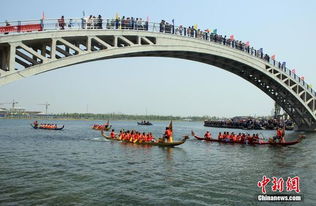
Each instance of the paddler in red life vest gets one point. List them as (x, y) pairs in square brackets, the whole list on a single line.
[(142, 137), (168, 134), (248, 139), (243, 138), (256, 138), (135, 136), (238, 138), (112, 134), (219, 136), (233, 137), (283, 134), (150, 137), (120, 135), (207, 135), (124, 134)]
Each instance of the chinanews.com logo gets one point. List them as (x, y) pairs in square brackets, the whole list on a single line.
[(292, 184)]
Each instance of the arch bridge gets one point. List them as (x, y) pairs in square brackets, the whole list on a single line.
[(25, 52)]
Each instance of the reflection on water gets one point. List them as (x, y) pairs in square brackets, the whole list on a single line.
[(77, 166), (168, 152)]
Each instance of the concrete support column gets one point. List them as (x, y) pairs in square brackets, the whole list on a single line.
[(43, 51), (67, 49), (115, 41), (11, 57), (35, 57), (139, 40), (53, 49), (88, 45), (4, 59)]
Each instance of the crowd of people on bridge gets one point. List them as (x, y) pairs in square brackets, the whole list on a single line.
[(93, 22), (96, 22)]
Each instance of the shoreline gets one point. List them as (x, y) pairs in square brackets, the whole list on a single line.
[(92, 119)]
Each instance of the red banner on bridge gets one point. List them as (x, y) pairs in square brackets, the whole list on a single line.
[(7, 29), (21, 28), (30, 27)]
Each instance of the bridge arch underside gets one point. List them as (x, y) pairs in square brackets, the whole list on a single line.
[(283, 97)]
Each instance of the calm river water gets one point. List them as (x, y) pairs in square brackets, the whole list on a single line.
[(76, 166)]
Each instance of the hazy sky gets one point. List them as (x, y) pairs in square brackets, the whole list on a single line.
[(169, 86)]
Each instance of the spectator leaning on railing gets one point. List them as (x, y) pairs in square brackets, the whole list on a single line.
[(61, 23)]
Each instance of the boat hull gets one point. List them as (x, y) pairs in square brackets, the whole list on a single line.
[(101, 127), (253, 143), (145, 124), (58, 128), (159, 144)]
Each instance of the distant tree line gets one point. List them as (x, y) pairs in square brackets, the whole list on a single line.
[(114, 116)]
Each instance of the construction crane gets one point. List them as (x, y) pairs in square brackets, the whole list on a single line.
[(46, 106), (13, 103)]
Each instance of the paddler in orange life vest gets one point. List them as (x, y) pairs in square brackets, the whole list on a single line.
[(280, 134), (168, 134), (112, 134), (207, 135)]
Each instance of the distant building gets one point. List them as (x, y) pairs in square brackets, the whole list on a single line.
[(17, 112), (3, 112)]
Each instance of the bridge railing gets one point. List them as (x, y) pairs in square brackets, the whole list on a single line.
[(14, 27)]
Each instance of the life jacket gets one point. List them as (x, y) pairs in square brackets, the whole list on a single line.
[(234, 138), (238, 138), (136, 137), (150, 138), (112, 134), (168, 133), (256, 137), (141, 137), (208, 135)]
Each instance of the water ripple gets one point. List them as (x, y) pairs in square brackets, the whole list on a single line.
[(77, 166)]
